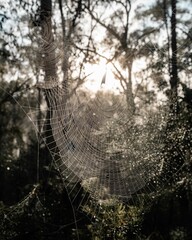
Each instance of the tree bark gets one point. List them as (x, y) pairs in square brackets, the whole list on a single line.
[(65, 60), (174, 68), (129, 93), (168, 36), (50, 78), (48, 48)]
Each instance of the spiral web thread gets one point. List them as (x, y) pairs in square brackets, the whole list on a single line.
[(105, 168), (96, 142)]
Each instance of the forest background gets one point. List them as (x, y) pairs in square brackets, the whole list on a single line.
[(139, 54)]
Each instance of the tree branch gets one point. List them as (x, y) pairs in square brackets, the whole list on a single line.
[(15, 90), (112, 31)]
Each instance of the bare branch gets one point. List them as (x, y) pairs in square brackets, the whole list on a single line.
[(186, 33), (79, 83), (17, 88), (111, 30)]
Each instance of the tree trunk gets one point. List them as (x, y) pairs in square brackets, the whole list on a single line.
[(168, 36), (48, 50), (129, 90), (173, 159), (65, 60), (174, 70), (50, 79)]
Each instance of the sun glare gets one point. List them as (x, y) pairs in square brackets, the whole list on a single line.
[(101, 78)]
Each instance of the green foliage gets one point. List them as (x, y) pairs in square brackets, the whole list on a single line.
[(44, 213), (113, 220), (11, 117), (169, 214)]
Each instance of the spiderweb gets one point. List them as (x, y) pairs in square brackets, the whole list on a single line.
[(85, 154), (96, 143)]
